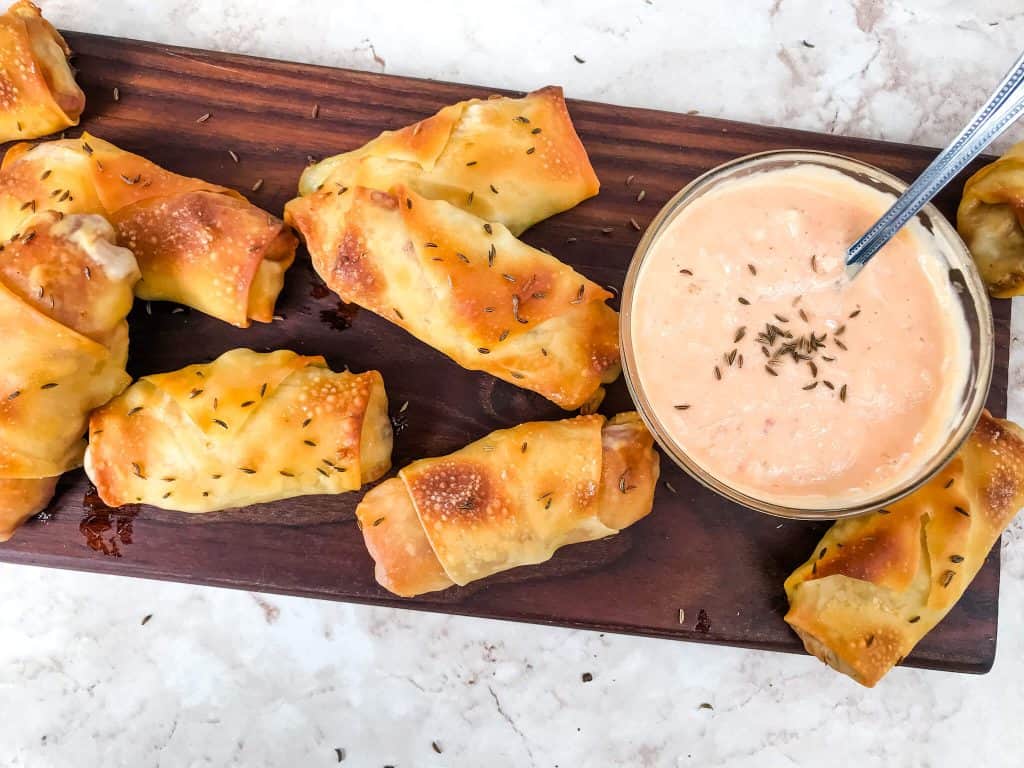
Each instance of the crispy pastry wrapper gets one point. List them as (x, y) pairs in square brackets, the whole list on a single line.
[(507, 500), (991, 221), (65, 290), (197, 243), (464, 286), (876, 584), (510, 161), (38, 92), (247, 428)]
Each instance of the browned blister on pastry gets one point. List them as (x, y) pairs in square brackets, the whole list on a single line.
[(511, 161), (38, 93), (197, 243), (507, 500), (65, 290), (875, 585), (247, 428), (991, 221), (466, 287)]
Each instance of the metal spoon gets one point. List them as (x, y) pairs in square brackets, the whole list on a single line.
[(999, 112)]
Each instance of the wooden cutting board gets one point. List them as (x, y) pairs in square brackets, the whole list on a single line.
[(723, 566)]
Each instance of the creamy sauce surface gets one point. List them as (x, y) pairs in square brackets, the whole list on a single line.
[(724, 311)]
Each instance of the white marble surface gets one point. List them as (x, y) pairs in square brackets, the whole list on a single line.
[(226, 678)]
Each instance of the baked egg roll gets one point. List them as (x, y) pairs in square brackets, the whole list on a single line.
[(876, 584), (197, 243), (991, 221), (38, 92), (511, 161), (65, 290), (464, 286), (244, 429), (508, 500)]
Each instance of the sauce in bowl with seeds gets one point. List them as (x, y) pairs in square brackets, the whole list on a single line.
[(775, 372)]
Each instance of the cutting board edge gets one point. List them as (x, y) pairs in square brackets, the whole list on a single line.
[(867, 144), (981, 666)]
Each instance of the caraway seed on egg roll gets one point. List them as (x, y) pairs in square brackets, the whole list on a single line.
[(247, 428), (507, 500), (466, 287), (875, 585), (505, 160), (197, 243), (65, 291)]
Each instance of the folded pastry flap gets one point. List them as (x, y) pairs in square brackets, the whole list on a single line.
[(339, 421), (947, 533), (51, 54), (219, 397), (994, 475), (99, 176), (38, 94), (998, 182), (412, 149), (205, 250), (629, 471), (320, 223), (53, 175), (143, 448), (123, 178), (520, 158), (860, 602), (852, 625), (15, 152), (41, 427), (991, 221), (277, 255), (512, 498), (387, 173), (863, 610), (50, 377), (405, 563), (302, 438), (884, 549), (513, 161), (996, 240), (565, 358), (497, 282), (70, 270), (369, 412)]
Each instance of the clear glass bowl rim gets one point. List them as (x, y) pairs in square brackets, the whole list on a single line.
[(942, 230)]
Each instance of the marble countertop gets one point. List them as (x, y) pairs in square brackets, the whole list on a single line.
[(99, 670)]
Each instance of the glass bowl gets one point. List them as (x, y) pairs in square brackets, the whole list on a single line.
[(964, 277)]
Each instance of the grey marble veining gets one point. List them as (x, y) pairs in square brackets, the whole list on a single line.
[(235, 679)]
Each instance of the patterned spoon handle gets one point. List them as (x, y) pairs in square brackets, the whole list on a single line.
[(998, 113)]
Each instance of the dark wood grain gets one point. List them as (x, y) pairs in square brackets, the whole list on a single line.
[(723, 565)]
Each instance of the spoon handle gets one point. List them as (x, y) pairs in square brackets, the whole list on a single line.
[(998, 113)]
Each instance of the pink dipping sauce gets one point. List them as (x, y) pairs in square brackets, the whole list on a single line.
[(798, 432)]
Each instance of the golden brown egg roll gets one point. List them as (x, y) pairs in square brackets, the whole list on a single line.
[(247, 428), (197, 243), (511, 161), (991, 221), (875, 585), (38, 92), (65, 290), (464, 286), (507, 500)]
